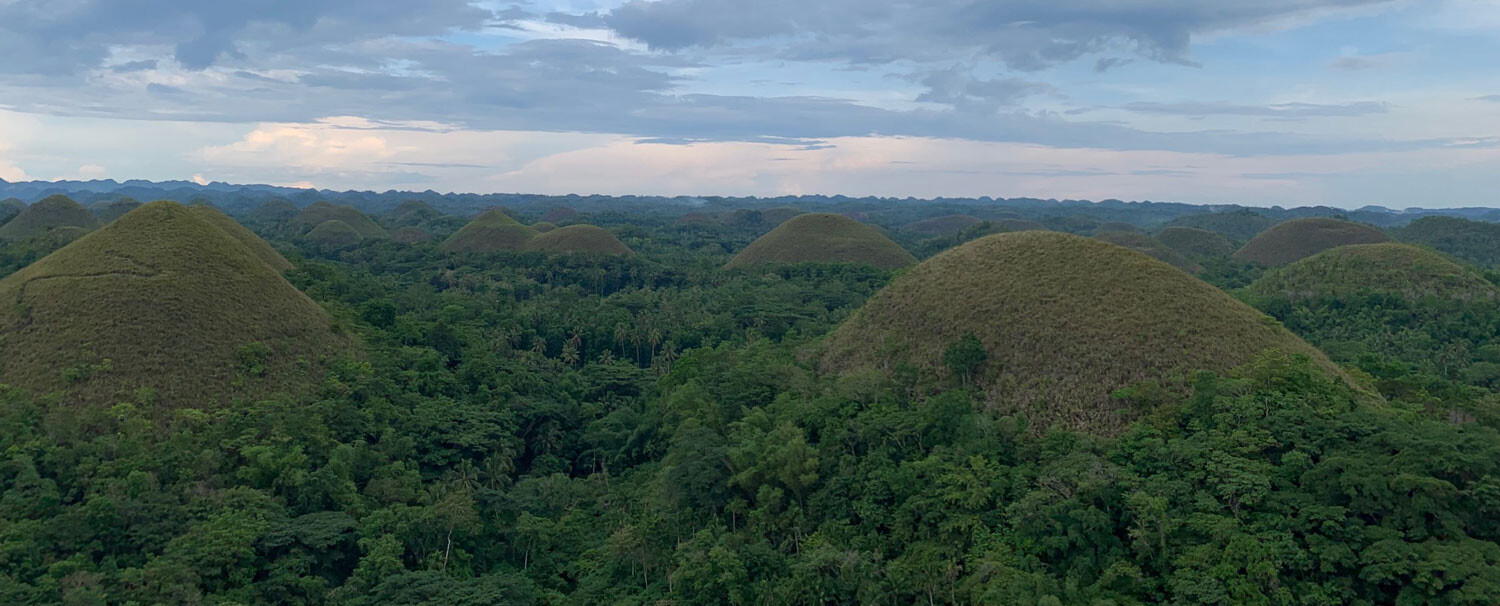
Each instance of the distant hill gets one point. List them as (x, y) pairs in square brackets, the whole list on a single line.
[(1302, 238), (412, 213), (9, 208), (1195, 243), (586, 239), (410, 235), (334, 234), (490, 232), (1477, 242), (322, 212), (543, 227), (109, 211), (823, 238), (947, 225), (50, 213), (1117, 226), (1139, 242), (164, 301), (1063, 322), (1238, 225), (1390, 268), (275, 210), (558, 214)]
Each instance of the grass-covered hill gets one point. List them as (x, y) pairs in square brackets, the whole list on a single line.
[(410, 235), (823, 238), (1238, 225), (1117, 226), (334, 234), (948, 225), (9, 208), (1477, 242), (159, 307), (322, 212), (584, 239), (114, 209), (558, 214), (411, 213), (779, 215), (275, 210), (1298, 239), (543, 227), (260, 248), (1062, 322), (1195, 243), (1390, 268), (490, 232), (50, 213), (1140, 242)]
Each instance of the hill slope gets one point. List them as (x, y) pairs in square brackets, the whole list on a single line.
[(159, 299), (489, 232), (228, 225), (823, 238), (322, 212), (1298, 239), (334, 234), (1238, 225), (9, 208), (410, 235), (275, 210), (1390, 268), (109, 211), (1477, 242), (1194, 242), (1064, 320), (411, 213), (1143, 243), (50, 213), (586, 239)]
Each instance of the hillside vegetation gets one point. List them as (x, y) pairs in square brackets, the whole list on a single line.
[(109, 211), (275, 210), (947, 225), (491, 231), (323, 212), (159, 308), (1238, 225), (1477, 242), (334, 234), (823, 238), (410, 235), (1195, 243), (1063, 321), (583, 239), (1389, 268), (50, 213), (9, 208), (1301, 238), (260, 248)]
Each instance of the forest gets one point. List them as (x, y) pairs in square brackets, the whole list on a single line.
[(556, 425)]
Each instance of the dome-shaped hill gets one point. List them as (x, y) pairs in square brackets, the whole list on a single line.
[(260, 248), (1477, 242), (1065, 321), (823, 238), (109, 211), (410, 235), (412, 212), (322, 212), (490, 232), (1140, 242), (585, 239), (558, 214), (275, 210), (779, 214), (50, 213), (1195, 243), (9, 208), (1302, 238), (543, 227), (334, 234), (1390, 268), (1238, 225), (949, 225), (159, 299), (1002, 226), (1117, 226)]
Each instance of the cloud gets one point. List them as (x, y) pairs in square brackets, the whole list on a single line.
[(1024, 34), (1490, 98), (959, 89), (1277, 110), (1356, 63)]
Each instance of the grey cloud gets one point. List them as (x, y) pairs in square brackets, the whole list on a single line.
[(1280, 110), (959, 88), (1490, 98), (1025, 34), (1108, 63), (134, 66)]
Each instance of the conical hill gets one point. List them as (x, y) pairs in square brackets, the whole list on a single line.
[(160, 306), (1064, 322), (1396, 269), (322, 212), (50, 213), (491, 231), (583, 239), (1299, 239), (823, 238), (259, 247)]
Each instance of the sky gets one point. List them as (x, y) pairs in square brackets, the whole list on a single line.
[(1285, 102)]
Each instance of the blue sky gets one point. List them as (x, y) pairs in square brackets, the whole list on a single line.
[(1342, 102)]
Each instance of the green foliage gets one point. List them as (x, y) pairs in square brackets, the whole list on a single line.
[(1195, 243), (1477, 242), (1238, 225), (947, 225), (964, 357), (1397, 269), (334, 234), (823, 238), (1301, 238)]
